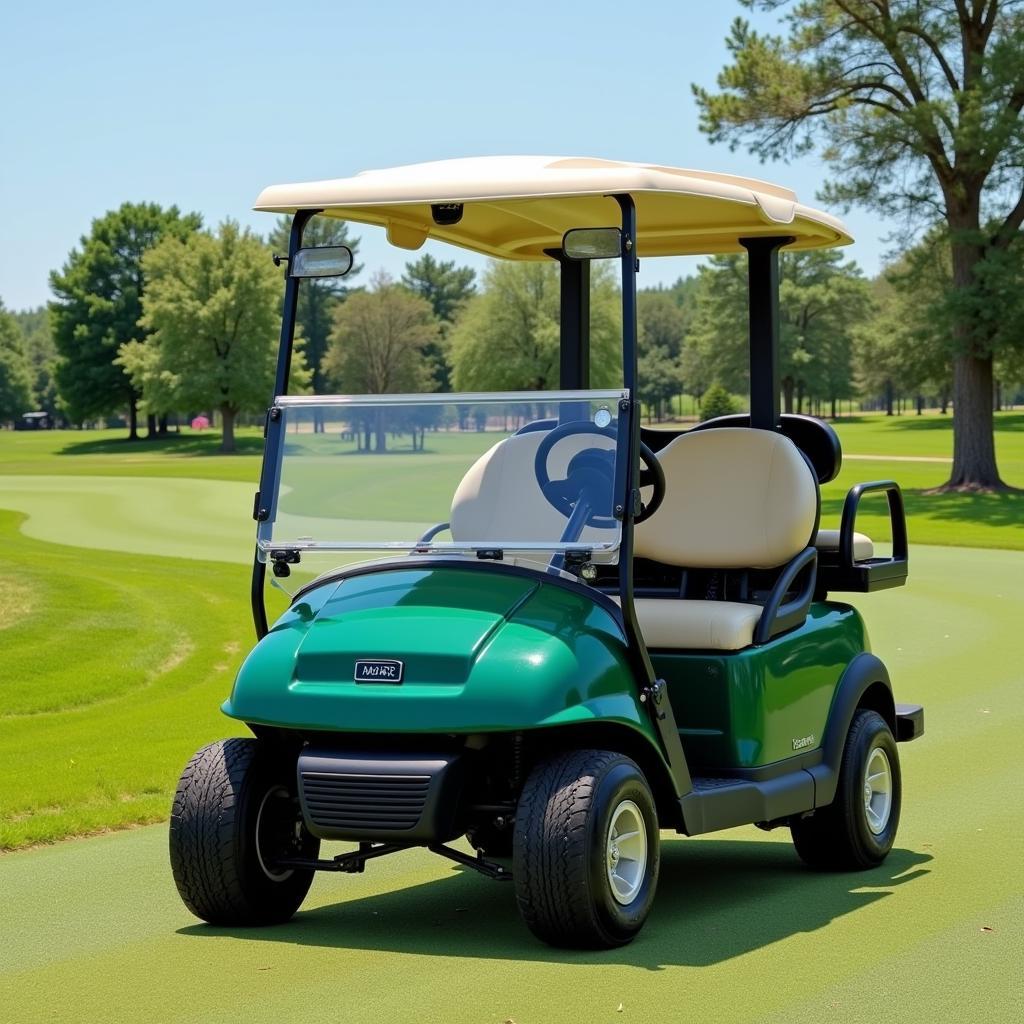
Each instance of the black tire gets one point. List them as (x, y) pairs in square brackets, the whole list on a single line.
[(234, 809), (839, 837), (560, 860)]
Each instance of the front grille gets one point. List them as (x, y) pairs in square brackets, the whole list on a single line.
[(379, 803)]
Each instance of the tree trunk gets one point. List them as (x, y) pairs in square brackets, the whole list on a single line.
[(888, 397), (133, 419), (787, 394), (920, 404), (382, 437), (833, 408), (944, 403), (227, 442), (999, 396), (151, 427), (974, 449), (162, 426)]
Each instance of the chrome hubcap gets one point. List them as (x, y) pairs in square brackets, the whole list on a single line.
[(626, 852), (877, 791)]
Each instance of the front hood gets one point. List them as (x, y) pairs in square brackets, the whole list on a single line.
[(429, 621), (481, 649)]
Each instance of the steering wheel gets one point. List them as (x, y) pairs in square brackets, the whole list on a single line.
[(590, 476)]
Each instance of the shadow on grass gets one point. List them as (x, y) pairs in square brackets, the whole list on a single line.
[(173, 444), (715, 901), (911, 422), (1002, 509)]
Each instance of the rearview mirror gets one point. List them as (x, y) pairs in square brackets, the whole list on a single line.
[(321, 261), (592, 243)]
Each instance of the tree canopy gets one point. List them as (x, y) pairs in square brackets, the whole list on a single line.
[(212, 307), (98, 304), (508, 337), (15, 371), (916, 104)]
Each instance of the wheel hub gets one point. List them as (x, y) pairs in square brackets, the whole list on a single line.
[(877, 791), (626, 850)]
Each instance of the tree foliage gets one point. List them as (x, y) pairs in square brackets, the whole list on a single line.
[(378, 346), (98, 304), (662, 325), (15, 371), (821, 300), (508, 337), (212, 307), (318, 297), (447, 288), (917, 106), (42, 357)]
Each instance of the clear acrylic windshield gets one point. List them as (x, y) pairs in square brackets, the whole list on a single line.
[(517, 472)]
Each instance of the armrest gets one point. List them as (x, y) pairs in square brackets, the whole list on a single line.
[(777, 617), (897, 520), (433, 532)]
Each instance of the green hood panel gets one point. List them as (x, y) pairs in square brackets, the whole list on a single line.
[(483, 650)]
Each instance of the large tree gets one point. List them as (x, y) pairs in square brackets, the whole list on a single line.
[(508, 337), (98, 304), (447, 288), (378, 346), (917, 105), (15, 371), (212, 307), (318, 296)]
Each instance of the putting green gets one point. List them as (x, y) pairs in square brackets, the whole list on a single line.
[(740, 931)]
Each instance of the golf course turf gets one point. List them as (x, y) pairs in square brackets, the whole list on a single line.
[(124, 614)]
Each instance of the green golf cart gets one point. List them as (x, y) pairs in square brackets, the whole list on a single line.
[(552, 631)]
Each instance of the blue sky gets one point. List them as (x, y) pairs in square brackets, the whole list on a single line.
[(203, 104)]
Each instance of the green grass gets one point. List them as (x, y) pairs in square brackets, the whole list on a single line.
[(740, 932)]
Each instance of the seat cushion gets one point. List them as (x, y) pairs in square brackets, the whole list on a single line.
[(696, 625), (828, 540)]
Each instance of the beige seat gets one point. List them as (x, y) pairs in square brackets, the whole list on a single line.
[(734, 499), (499, 499), (828, 541)]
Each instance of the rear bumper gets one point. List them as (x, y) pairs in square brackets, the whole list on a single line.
[(909, 722)]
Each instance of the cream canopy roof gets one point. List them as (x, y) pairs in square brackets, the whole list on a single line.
[(516, 207)]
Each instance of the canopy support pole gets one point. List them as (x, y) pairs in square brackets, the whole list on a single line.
[(574, 360), (763, 313)]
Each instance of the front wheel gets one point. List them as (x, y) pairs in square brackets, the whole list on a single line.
[(857, 830), (235, 815), (586, 851)]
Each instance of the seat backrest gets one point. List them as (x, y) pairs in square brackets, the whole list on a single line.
[(734, 499), (499, 499)]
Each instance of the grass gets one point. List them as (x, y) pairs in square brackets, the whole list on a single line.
[(739, 930), (116, 657)]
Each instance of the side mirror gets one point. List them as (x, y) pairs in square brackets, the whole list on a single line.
[(592, 243), (321, 261)]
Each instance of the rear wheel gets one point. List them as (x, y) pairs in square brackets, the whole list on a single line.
[(586, 850), (235, 815), (857, 830)]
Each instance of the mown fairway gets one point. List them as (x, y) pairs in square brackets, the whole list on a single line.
[(116, 657)]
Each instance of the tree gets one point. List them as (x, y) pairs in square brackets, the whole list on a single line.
[(662, 326), (717, 402), (918, 104), (98, 304), (507, 339), (212, 307), (15, 371), (821, 298), (42, 357), (377, 346), (318, 297), (447, 288)]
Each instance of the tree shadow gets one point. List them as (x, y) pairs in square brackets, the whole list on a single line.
[(173, 444), (716, 900), (999, 509)]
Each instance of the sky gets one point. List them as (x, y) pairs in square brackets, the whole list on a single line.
[(203, 104)]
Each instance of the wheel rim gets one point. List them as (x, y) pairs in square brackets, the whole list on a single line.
[(877, 791), (626, 852), (274, 819)]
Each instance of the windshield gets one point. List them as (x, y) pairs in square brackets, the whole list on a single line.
[(531, 471)]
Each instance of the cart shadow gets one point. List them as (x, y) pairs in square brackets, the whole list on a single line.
[(716, 900)]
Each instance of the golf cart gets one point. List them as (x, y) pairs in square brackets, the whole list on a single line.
[(576, 631)]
